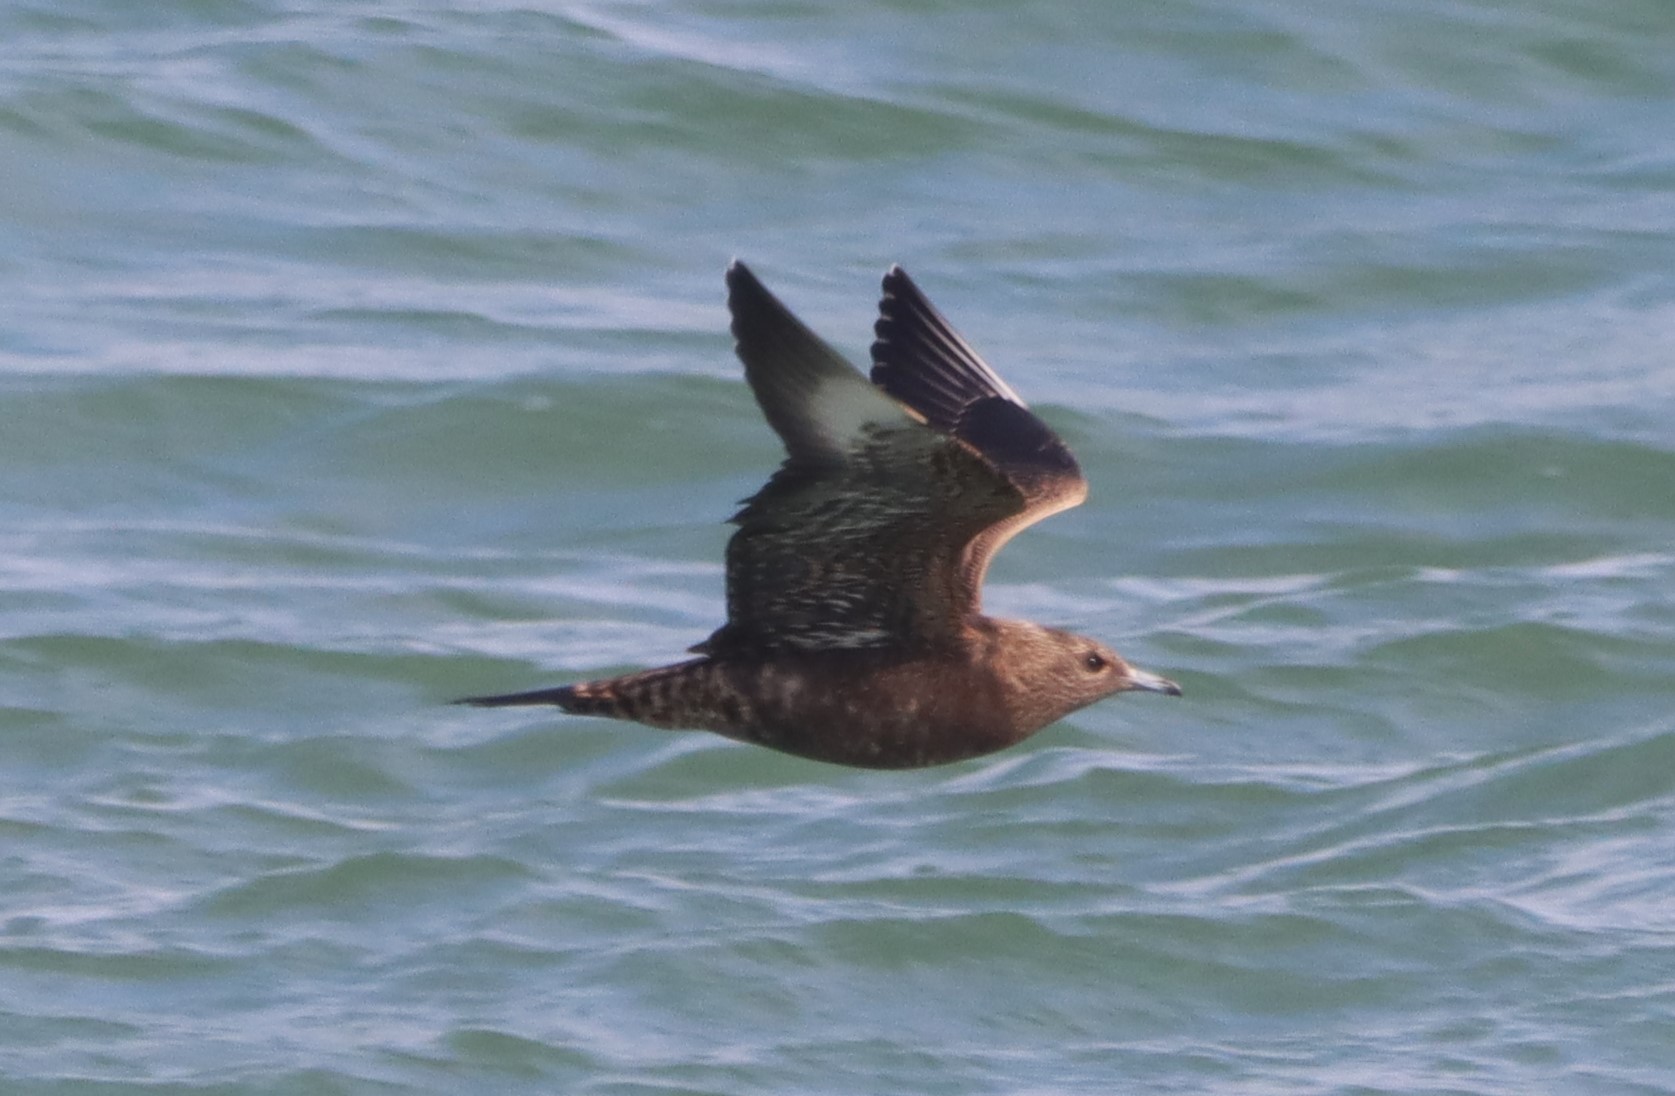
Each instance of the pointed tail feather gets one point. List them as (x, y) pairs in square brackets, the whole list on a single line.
[(660, 697), (587, 698), (563, 696)]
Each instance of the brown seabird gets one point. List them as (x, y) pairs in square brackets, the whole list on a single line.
[(854, 629)]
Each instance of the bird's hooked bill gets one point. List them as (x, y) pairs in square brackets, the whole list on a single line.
[(1152, 683)]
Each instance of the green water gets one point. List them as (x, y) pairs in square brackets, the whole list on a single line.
[(360, 356)]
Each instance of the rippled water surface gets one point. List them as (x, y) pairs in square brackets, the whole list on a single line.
[(357, 356)]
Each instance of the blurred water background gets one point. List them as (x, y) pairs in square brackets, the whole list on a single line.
[(355, 356)]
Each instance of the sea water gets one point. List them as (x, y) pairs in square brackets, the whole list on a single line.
[(358, 356)]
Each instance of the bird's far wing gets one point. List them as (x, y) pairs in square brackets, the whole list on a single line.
[(856, 541), (817, 402)]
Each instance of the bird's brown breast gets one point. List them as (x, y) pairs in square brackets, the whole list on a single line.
[(856, 707)]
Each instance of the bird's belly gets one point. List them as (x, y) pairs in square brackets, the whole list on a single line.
[(850, 711)]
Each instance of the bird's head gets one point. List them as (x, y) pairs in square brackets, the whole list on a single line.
[(1052, 673)]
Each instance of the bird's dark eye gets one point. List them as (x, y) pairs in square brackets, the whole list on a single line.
[(1094, 661)]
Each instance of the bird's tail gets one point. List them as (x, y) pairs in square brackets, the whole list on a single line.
[(655, 696), (563, 696)]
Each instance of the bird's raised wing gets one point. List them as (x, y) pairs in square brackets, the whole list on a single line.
[(922, 361), (867, 535)]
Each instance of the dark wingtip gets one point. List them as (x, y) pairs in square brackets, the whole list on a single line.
[(747, 296), (920, 360), (895, 286)]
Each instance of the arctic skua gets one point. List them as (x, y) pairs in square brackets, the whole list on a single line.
[(855, 632)]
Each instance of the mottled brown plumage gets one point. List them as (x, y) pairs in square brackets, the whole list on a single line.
[(854, 627)]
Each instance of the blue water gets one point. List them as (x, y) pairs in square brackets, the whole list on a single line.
[(360, 356)]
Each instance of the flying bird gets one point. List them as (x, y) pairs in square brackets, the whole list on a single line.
[(855, 632)]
